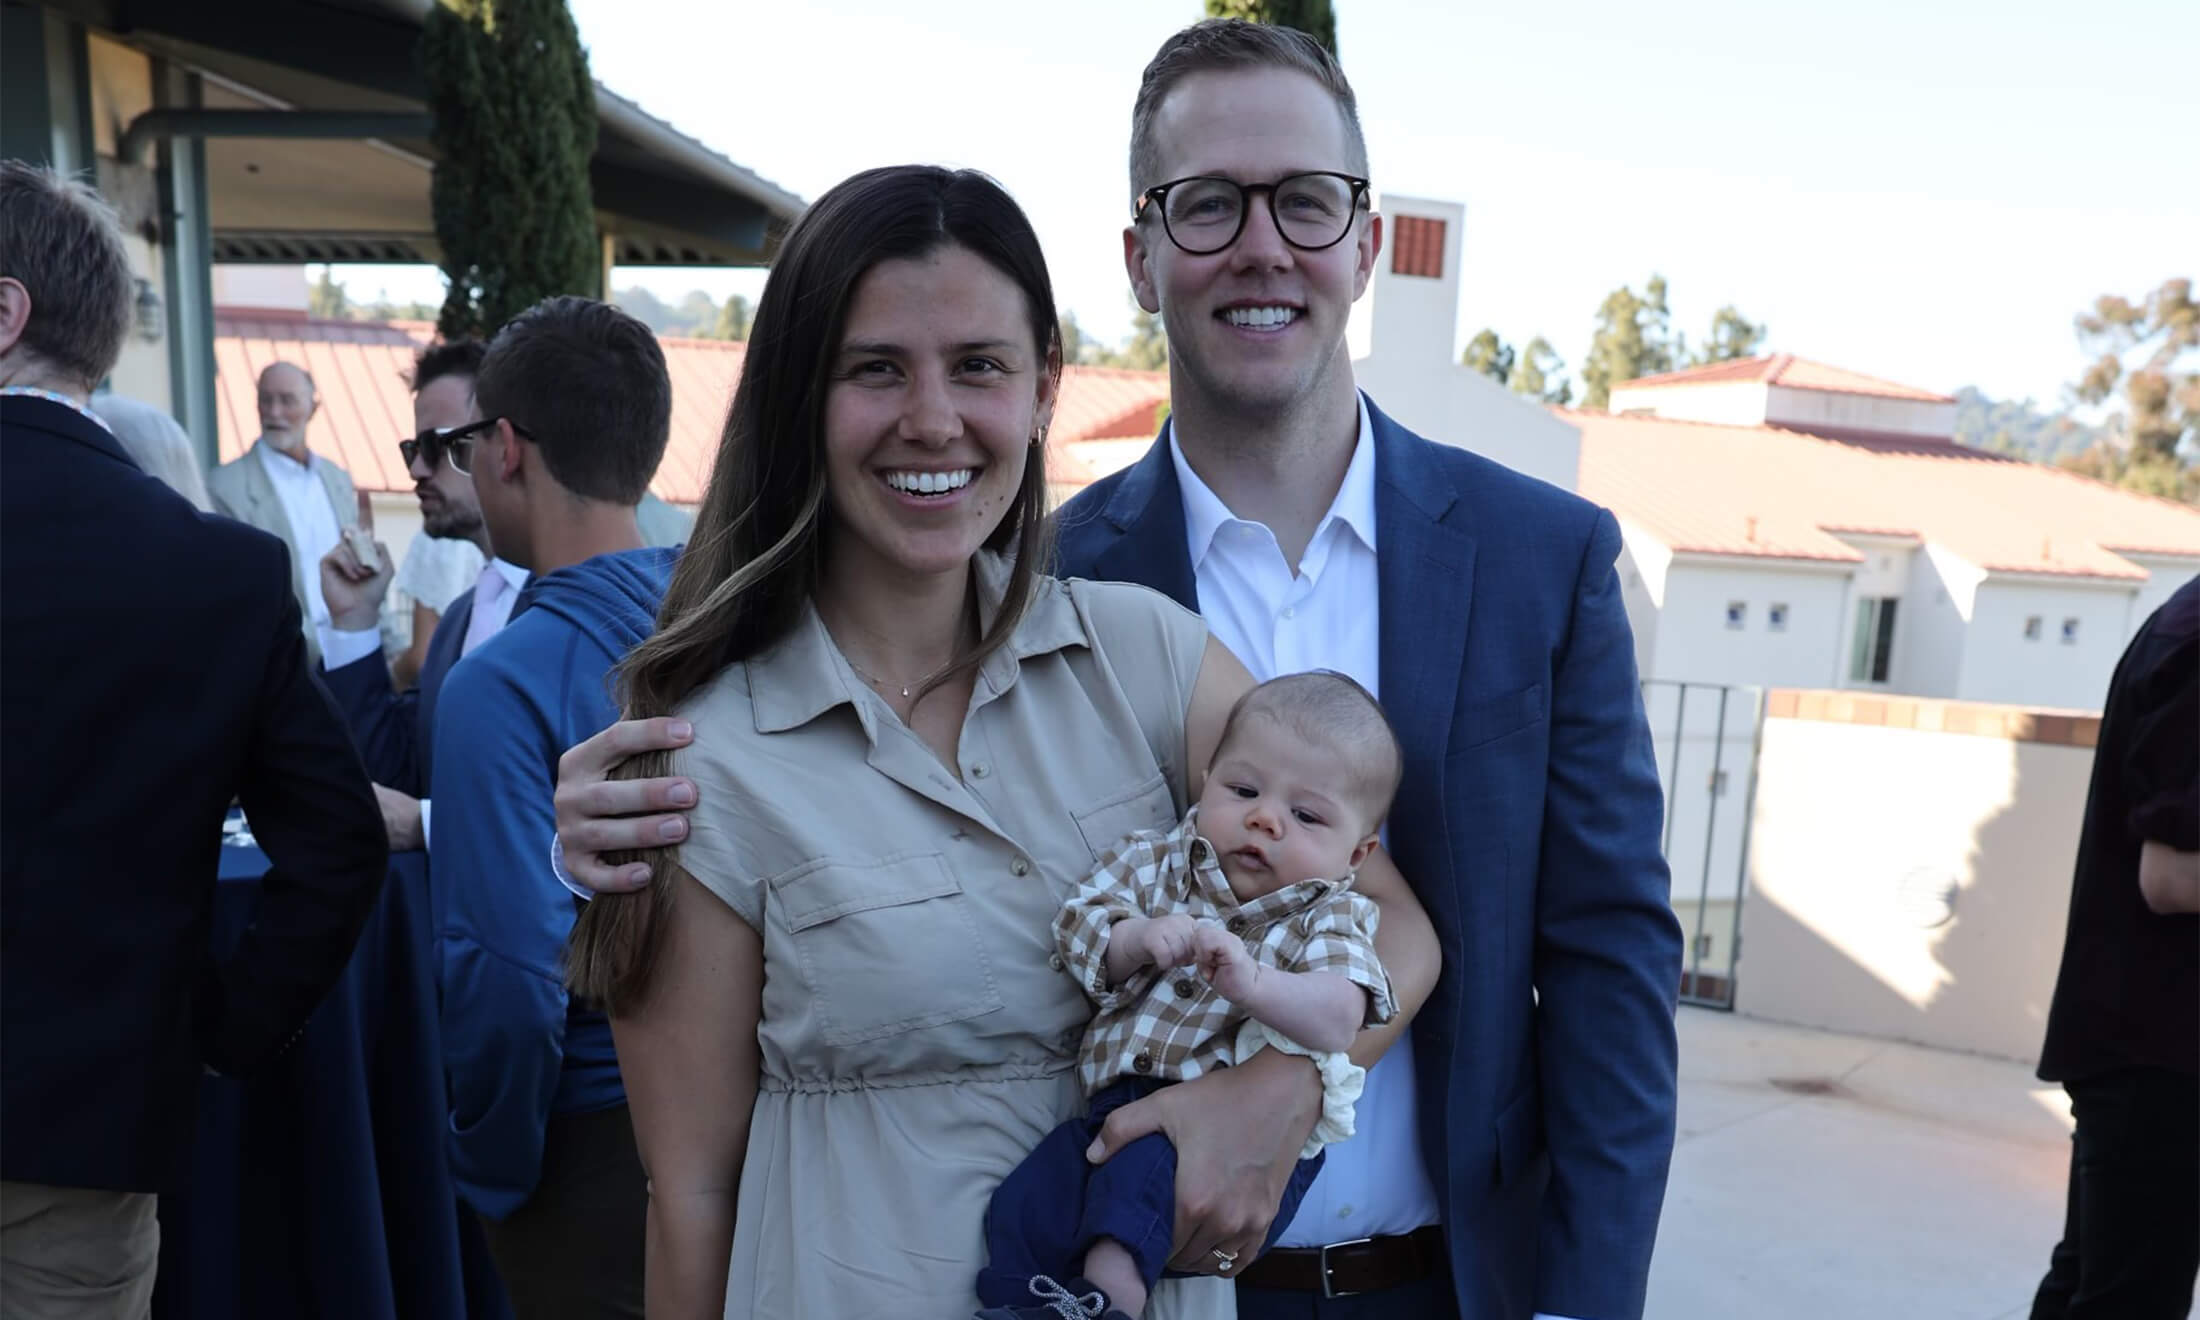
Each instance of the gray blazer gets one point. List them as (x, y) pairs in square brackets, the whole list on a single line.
[(242, 490)]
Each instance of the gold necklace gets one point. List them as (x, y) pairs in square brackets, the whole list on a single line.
[(875, 681)]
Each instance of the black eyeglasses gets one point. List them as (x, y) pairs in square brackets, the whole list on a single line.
[(1204, 215), (456, 443)]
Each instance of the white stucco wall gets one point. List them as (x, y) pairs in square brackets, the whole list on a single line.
[(1731, 403), (2166, 573), (1643, 562), (1999, 664), (1403, 337), (1937, 608), (1695, 645), (1885, 572), (1787, 406)]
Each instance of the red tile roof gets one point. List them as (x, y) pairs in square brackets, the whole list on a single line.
[(1791, 371), (360, 368), (1765, 492)]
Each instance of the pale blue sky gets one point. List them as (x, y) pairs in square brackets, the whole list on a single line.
[(1923, 191)]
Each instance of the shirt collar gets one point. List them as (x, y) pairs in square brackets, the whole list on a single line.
[(1205, 514), (804, 675), (280, 465), (513, 575), (54, 396), (1203, 869)]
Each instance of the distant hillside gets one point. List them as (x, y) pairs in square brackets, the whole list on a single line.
[(2020, 430)]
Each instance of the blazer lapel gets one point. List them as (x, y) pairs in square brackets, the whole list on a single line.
[(1147, 511), (341, 501), (1425, 568)]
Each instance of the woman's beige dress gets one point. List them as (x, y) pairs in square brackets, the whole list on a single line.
[(918, 1036)]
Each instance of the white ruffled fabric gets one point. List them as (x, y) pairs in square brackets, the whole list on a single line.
[(1342, 1081)]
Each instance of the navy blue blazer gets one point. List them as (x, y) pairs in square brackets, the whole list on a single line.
[(1528, 823), (395, 730), (154, 668)]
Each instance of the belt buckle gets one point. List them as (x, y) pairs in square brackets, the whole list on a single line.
[(1327, 1290)]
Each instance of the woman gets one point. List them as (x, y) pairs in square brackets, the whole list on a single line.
[(835, 1008)]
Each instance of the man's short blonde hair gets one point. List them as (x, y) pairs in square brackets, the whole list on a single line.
[(61, 241)]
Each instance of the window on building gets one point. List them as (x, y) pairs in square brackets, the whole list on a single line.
[(1873, 646), (1703, 946), (1776, 618), (2032, 628), (1737, 614), (2070, 632)]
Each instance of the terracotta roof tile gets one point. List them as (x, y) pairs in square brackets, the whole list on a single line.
[(360, 367), (1791, 371), (1766, 492)]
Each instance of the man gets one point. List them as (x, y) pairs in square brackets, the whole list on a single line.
[(281, 486), (395, 731), (2123, 1031), (154, 669), (1512, 1148), (576, 409)]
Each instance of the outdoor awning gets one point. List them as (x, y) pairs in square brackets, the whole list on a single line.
[(323, 189)]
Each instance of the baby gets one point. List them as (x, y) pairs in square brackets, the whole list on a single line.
[(1251, 897)]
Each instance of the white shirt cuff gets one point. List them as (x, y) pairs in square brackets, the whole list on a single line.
[(340, 647), (427, 839), (557, 868)]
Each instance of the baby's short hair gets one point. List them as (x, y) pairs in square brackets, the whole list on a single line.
[(1324, 706)]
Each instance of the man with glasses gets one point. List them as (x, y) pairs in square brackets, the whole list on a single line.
[(1511, 1150), (395, 730)]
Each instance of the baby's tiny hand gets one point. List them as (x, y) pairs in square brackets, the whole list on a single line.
[(1223, 960), (1167, 941)]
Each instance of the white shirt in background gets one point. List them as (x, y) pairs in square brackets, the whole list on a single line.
[(314, 527)]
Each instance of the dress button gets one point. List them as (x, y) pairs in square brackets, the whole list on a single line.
[(1054, 960), (1143, 1063), (1237, 925), (1184, 989), (1019, 867)]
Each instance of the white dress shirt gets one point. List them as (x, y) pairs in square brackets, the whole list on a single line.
[(340, 647), (314, 526), (1324, 616)]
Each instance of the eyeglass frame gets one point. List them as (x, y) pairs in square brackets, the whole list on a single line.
[(438, 443), (1159, 194)]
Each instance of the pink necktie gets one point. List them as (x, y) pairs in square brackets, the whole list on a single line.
[(489, 589)]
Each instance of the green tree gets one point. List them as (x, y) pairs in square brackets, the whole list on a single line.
[(1633, 338), (327, 300), (1535, 373), (1733, 337), (733, 319), (696, 316), (645, 307), (1147, 349), (515, 125), (2161, 393), (1313, 17), (1078, 348), (1490, 355)]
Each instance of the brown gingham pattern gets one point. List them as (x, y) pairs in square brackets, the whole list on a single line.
[(1172, 1025)]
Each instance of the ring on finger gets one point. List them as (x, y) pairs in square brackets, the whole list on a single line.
[(1224, 1260)]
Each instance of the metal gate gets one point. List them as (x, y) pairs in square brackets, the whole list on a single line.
[(1707, 738)]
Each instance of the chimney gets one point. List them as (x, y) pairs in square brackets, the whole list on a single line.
[(1411, 309)]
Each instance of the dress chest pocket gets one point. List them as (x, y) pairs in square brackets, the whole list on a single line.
[(886, 946), (1145, 806)]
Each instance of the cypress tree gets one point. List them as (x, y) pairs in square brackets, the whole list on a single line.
[(515, 125), (1313, 17)]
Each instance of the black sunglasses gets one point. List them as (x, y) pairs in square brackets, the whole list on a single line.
[(1203, 215), (456, 443)]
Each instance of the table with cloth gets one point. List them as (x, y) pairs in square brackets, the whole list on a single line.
[(320, 1187)]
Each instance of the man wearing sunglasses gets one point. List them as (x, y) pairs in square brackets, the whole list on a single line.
[(394, 730)]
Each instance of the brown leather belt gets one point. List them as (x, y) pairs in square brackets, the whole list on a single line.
[(1344, 1268)]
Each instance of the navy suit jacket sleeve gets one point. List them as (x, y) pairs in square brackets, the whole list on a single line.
[(315, 816), (383, 723), (1607, 966)]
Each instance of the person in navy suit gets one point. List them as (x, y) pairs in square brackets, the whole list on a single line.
[(1512, 1148), (395, 730), (154, 669)]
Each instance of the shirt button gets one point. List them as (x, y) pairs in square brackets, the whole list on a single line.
[(979, 771), (1237, 925), (1054, 960), (1290, 611), (1143, 1063), (1019, 867), (1184, 989)]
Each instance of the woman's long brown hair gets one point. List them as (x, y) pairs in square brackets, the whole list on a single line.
[(758, 550)]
